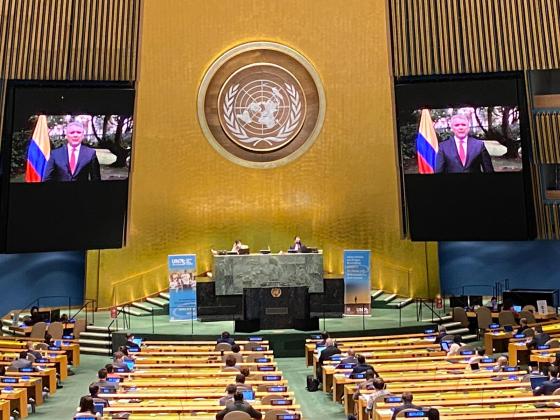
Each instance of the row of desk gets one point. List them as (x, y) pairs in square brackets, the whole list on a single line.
[(17, 387), (411, 362), (173, 380)]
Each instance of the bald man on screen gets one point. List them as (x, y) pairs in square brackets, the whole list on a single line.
[(74, 161), (462, 153)]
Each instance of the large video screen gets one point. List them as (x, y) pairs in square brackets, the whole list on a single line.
[(463, 145), (66, 157), (72, 148), (484, 139)]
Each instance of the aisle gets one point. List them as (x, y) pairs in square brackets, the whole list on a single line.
[(314, 405), (63, 404)]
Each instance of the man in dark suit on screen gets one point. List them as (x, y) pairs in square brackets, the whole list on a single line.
[(73, 161), (461, 153)]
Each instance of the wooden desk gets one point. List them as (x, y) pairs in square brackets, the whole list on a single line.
[(4, 410), (486, 387), (48, 377), (339, 381), (478, 406), (33, 386), (18, 400), (310, 345)]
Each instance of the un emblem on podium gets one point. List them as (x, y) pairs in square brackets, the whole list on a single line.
[(261, 104), (276, 292)]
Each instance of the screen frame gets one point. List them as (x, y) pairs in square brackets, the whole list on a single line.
[(409, 98)]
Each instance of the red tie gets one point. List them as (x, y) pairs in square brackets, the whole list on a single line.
[(462, 155), (73, 160)]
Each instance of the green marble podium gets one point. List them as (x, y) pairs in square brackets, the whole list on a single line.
[(233, 273)]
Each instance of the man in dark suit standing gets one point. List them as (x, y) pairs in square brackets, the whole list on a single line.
[(461, 153), (74, 161)]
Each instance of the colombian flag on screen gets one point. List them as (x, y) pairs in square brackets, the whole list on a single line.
[(426, 144), (38, 152)]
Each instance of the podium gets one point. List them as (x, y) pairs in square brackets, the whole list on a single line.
[(276, 308)]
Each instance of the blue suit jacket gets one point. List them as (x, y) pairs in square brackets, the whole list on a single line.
[(58, 166), (478, 158)]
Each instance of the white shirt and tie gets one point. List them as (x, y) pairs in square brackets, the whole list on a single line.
[(461, 145), (73, 153)]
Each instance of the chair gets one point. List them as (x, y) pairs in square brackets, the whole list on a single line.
[(448, 337), (459, 315), (506, 318), (271, 414), (56, 330), (79, 327), (528, 316), (252, 357), (251, 345), (222, 347), (238, 357), (553, 343), (41, 346), (483, 318), (31, 358), (38, 330), (529, 308), (237, 415), (529, 332), (267, 398)]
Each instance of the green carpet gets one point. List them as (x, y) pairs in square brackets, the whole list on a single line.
[(160, 324), (63, 404), (314, 405)]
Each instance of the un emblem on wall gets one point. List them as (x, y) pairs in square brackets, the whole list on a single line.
[(261, 104)]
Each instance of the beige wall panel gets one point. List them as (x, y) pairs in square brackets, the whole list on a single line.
[(341, 194)]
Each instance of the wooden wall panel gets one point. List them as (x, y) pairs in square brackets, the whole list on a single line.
[(472, 36), (69, 39)]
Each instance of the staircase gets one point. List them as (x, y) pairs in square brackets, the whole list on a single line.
[(96, 340), (453, 327), (155, 305), (385, 300)]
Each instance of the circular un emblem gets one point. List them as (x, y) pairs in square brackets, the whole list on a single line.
[(261, 104), (262, 107), (276, 292)]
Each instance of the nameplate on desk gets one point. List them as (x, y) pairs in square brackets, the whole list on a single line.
[(114, 379), (393, 400), (543, 347), (288, 417), (262, 360), (271, 377), (119, 370), (54, 348), (276, 389), (487, 360), (68, 337), (511, 368), (9, 380), (281, 402), (266, 368), (276, 311), (108, 390), (255, 339), (260, 348), (30, 369), (493, 326), (41, 360), (414, 414), (519, 336), (134, 350)]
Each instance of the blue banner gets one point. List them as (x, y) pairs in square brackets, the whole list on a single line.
[(357, 290), (182, 287)]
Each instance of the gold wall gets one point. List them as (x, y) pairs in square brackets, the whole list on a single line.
[(342, 194)]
